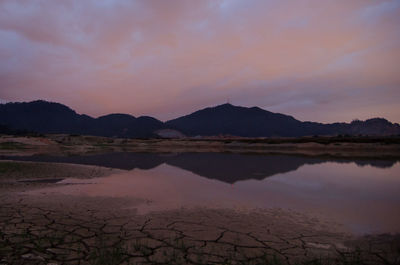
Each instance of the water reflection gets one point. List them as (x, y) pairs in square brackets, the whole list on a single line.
[(225, 167), (362, 195), (363, 199)]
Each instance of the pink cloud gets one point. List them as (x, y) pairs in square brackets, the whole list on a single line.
[(167, 58)]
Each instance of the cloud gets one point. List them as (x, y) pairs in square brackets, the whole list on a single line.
[(167, 58)]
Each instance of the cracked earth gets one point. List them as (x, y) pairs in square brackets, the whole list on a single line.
[(73, 230)]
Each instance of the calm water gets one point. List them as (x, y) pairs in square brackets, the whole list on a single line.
[(362, 195)]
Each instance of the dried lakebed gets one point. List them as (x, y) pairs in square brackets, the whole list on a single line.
[(198, 209)]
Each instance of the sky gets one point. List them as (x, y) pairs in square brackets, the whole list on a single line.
[(318, 60)]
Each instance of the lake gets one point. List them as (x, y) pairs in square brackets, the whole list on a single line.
[(361, 196)]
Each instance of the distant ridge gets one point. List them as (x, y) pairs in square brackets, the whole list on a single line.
[(226, 119), (47, 117)]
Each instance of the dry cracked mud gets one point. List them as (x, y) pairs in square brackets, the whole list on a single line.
[(73, 230)]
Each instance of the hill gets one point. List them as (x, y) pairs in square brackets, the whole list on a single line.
[(228, 120), (47, 117)]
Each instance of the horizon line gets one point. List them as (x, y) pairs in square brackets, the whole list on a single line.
[(165, 121)]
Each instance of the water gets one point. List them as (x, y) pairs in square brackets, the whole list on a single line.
[(362, 195)]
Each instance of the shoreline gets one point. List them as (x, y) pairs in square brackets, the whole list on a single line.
[(330, 147)]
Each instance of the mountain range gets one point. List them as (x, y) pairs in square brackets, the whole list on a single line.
[(226, 119)]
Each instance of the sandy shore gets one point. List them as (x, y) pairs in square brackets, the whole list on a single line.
[(24, 176)]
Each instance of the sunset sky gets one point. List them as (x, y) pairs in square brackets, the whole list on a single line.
[(318, 60)]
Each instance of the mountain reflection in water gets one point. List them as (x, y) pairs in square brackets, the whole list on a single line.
[(225, 167), (362, 195)]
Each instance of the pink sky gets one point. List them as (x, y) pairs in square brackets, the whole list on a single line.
[(317, 60)]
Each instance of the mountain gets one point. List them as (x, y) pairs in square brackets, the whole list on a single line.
[(227, 119), (47, 117), (6, 130), (375, 126)]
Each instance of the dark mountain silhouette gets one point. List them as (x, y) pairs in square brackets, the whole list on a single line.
[(227, 119), (7, 130), (46, 117), (231, 120), (228, 168)]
